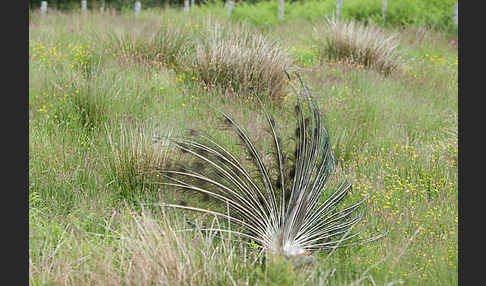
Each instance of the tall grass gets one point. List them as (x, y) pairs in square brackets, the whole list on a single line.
[(134, 157), (165, 42), (363, 45), (244, 61), (138, 248)]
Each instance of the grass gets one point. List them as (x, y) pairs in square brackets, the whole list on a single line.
[(94, 112), (241, 60), (134, 157), (357, 44), (209, 52)]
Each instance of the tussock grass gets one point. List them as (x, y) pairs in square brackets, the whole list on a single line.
[(231, 57), (235, 57), (367, 45), (91, 108), (166, 43), (135, 157), (163, 253)]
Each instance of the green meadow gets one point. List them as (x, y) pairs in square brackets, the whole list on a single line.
[(106, 90)]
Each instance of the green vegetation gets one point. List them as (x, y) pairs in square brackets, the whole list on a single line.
[(430, 13), (105, 91)]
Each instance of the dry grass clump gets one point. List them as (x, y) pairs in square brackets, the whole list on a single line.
[(166, 43), (367, 46), (240, 60), (137, 249), (135, 156), (163, 254)]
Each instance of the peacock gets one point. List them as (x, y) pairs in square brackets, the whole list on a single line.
[(288, 208)]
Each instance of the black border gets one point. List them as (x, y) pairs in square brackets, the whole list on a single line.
[(14, 119)]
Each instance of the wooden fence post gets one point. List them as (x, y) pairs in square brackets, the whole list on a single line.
[(456, 14), (280, 9), (137, 8), (231, 6), (186, 6), (383, 8), (84, 6), (43, 7), (339, 5)]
